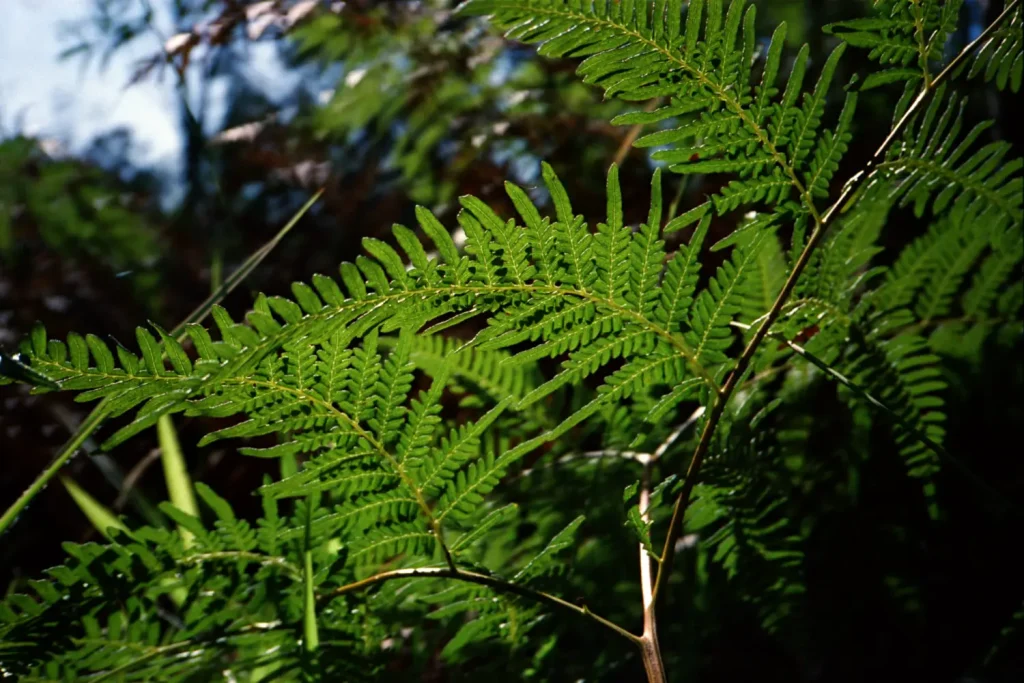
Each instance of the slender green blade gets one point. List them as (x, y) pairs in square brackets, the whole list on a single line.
[(99, 413)]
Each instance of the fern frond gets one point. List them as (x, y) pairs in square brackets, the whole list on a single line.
[(394, 439), (298, 370), (829, 150), (1000, 58), (717, 306), (967, 239), (929, 272), (486, 619), (394, 539), (392, 389), (933, 166), (726, 122), (397, 481), (482, 377), (100, 613), (611, 246), (461, 445), (904, 374), (760, 285), (740, 514), (994, 274), (680, 281), (232, 532), (545, 562), (840, 268), (906, 37), (646, 257)]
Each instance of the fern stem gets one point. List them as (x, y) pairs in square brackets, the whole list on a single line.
[(923, 48), (650, 648), (718, 407), (245, 556), (859, 177), (982, 37), (723, 395), (632, 134), (481, 580), (85, 430)]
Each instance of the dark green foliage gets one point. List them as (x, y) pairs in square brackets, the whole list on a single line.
[(741, 510), (905, 37), (998, 59), (908, 38), (726, 121), (74, 207), (934, 167), (442, 398), (239, 591)]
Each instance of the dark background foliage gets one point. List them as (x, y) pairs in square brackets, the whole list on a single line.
[(437, 107)]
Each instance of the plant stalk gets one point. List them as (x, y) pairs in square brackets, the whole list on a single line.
[(482, 580), (88, 426), (650, 648), (92, 422), (179, 483), (742, 364), (310, 629)]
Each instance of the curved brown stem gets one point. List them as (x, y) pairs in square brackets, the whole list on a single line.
[(482, 580)]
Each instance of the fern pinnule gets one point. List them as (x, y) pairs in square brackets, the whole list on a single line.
[(726, 123), (1000, 58), (907, 36), (935, 167)]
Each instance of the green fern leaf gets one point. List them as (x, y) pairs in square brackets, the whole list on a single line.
[(906, 32), (1000, 58), (639, 51), (716, 306), (545, 562), (933, 167)]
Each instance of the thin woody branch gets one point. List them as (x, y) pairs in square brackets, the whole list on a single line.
[(482, 580), (742, 364)]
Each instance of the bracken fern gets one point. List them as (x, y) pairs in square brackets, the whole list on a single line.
[(581, 323)]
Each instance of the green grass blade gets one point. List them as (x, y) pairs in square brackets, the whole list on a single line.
[(179, 484), (98, 414), (243, 271), (88, 426), (101, 517), (309, 625)]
